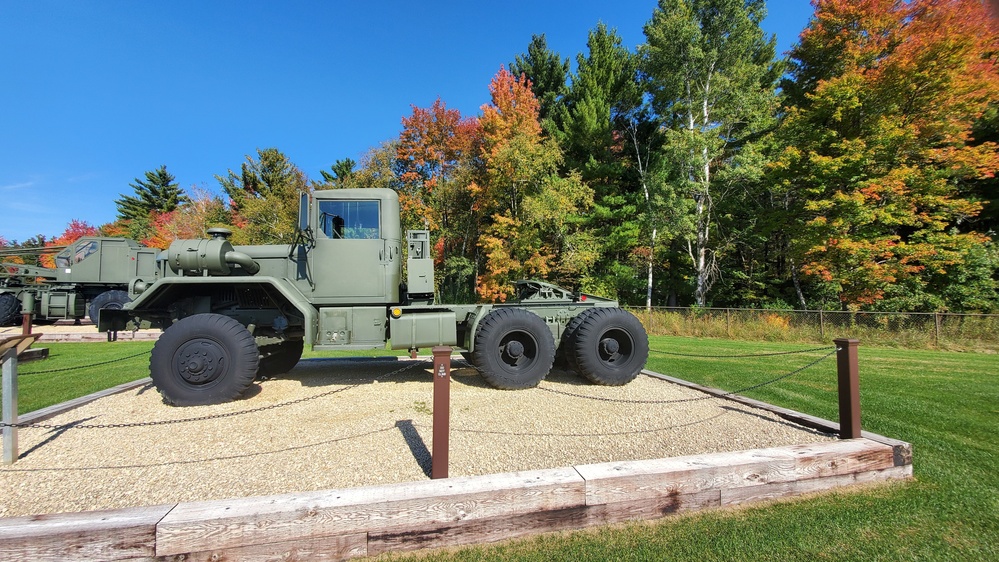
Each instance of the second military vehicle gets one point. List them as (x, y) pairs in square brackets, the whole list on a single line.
[(90, 274), (233, 312)]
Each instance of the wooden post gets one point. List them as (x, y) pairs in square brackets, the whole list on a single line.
[(442, 412), (848, 370), (9, 415)]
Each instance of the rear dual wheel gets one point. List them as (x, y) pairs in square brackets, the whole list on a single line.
[(10, 309), (514, 349), (608, 346)]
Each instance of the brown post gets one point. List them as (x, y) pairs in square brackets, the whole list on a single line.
[(442, 411), (848, 370)]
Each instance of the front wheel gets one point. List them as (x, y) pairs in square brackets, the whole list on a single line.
[(513, 349), (611, 346), (203, 359), (114, 299), (10, 309)]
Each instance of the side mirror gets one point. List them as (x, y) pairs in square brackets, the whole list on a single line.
[(303, 211)]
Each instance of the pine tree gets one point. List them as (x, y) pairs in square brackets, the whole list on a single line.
[(158, 192)]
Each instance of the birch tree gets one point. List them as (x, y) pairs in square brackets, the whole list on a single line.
[(711, 75)]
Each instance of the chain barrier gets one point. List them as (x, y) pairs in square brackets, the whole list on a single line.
[(747, 355), (83, 366), (206, 417), (581, 435), (698, 398)]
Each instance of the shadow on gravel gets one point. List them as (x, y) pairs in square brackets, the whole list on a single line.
[(55, 435), (416, 445)]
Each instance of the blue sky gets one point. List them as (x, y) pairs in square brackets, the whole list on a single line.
[(93, 94)]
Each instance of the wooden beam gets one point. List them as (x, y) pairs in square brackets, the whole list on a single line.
[(219, 525), (662, 478), (95, 535)]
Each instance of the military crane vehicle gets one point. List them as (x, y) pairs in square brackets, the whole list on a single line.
[(90, 274)]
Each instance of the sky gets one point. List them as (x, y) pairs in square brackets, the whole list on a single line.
[(93, 94)]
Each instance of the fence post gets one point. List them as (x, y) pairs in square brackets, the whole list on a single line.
[(848, 371), (822, 325), (9, 405), (442, 411), (728, 321), (936, 327)]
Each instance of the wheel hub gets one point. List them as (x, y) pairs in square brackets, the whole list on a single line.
[(609, 346), (514, 349), (200, 362)]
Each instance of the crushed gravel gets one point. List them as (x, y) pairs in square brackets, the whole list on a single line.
[(361, 422)]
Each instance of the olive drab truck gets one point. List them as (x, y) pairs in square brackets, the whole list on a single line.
[(232, 313), (90, 275)]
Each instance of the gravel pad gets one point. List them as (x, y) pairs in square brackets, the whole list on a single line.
[(362, 422)]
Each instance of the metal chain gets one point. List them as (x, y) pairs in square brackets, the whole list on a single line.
[(748, 355), (696, 399), (202, 418), (83, 366)]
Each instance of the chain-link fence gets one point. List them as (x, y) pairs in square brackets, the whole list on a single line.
[(903, 329)]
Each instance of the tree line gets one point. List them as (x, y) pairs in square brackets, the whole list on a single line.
[(697, 169)]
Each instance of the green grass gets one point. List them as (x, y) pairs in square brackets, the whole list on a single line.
[(89, 367), (946, 404)]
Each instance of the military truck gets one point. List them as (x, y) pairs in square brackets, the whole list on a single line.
[(231, 313), (90, 274)]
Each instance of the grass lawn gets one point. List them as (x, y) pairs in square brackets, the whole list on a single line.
[(945, 403)]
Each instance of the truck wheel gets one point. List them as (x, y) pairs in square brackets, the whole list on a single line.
[(10, 309), (513, 349), (611, 346), (282, 360), (568, 342), (203, 359), (113, 299)]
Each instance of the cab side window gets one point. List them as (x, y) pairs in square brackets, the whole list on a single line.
[(349, 220)]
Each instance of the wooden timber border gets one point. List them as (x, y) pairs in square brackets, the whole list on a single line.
[(367, 521)]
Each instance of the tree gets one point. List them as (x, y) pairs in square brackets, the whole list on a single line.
[(711, 74), (264, 199), (600, 122), (158, 192), (524, 206), (547, 73), (340, 173), (437, 157), (880, 157)]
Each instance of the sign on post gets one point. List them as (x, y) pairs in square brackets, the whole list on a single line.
[(442, 412)]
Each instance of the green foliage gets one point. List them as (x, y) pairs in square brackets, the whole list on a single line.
[(340, 173), (157, 193), (547, 73), (711, 75), (264, 198)]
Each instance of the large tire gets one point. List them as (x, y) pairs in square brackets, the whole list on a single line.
[(282, 360), (568, 342), (611, 346), (204, 359), (113, 299), (514, 349), (10, 309)]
